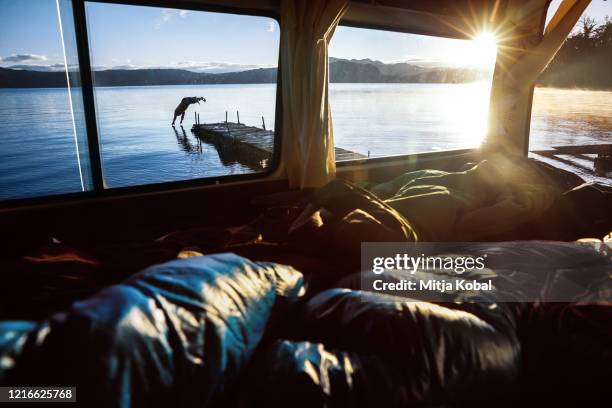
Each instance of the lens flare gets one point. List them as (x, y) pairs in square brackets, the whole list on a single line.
[(483, 49)]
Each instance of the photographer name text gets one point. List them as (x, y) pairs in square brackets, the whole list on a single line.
[(434, 285)]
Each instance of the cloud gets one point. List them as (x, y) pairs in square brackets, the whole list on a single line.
[(169, 14), (126, 66), (270, 27), (23, 58)]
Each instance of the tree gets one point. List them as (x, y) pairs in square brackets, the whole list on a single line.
[(585, 58), (588, 27)]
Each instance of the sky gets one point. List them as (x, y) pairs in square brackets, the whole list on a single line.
[(394, 47), (137, 37)]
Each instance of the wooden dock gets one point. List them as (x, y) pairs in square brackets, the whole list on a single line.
[(591, 162), (248, 145)]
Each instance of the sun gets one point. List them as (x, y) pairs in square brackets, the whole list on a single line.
[(483, 50), (486, 40), (480, 51)]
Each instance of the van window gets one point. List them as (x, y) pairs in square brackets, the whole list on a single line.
[(43, 143), (571, 116), (178, 95), (165, 83), (395, 93)]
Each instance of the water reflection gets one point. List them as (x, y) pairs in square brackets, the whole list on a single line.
[(395, 119), (562, 117), (185, 144), (232, 154), (229, 154)]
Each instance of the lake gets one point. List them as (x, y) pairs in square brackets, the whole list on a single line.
[(37, 143)]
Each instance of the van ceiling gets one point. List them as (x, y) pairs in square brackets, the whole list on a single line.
[(447, 18), (444, 7), (440, 7)]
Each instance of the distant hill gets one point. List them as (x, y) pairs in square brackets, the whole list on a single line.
[(367, 70), (143, 77), (17, 78), (341, 70)]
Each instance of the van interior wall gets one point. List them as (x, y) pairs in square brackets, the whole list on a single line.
[(130, 217)]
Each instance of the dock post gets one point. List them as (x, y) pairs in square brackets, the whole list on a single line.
[(238, 116), (263, 123)]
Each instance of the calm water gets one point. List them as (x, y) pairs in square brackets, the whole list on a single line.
[(37, 144)]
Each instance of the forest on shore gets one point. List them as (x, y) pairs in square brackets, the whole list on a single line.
[(585, 59)]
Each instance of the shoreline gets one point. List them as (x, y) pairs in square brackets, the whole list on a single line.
[(331, 83)]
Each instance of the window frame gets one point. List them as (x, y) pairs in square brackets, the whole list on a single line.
[(409, 156), (99, 190), (527, 131)]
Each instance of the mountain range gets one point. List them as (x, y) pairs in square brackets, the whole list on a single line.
[(341, 70)]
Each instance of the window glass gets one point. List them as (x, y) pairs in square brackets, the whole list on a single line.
[(43, 146), (395, 93), (149, 63), (572, 102)]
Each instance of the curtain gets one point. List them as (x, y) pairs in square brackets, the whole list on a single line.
[(308, 142)]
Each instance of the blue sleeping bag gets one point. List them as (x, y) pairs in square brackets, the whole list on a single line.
[(176, 334)]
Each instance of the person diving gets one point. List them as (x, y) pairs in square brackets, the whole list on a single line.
[(182, 107)]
